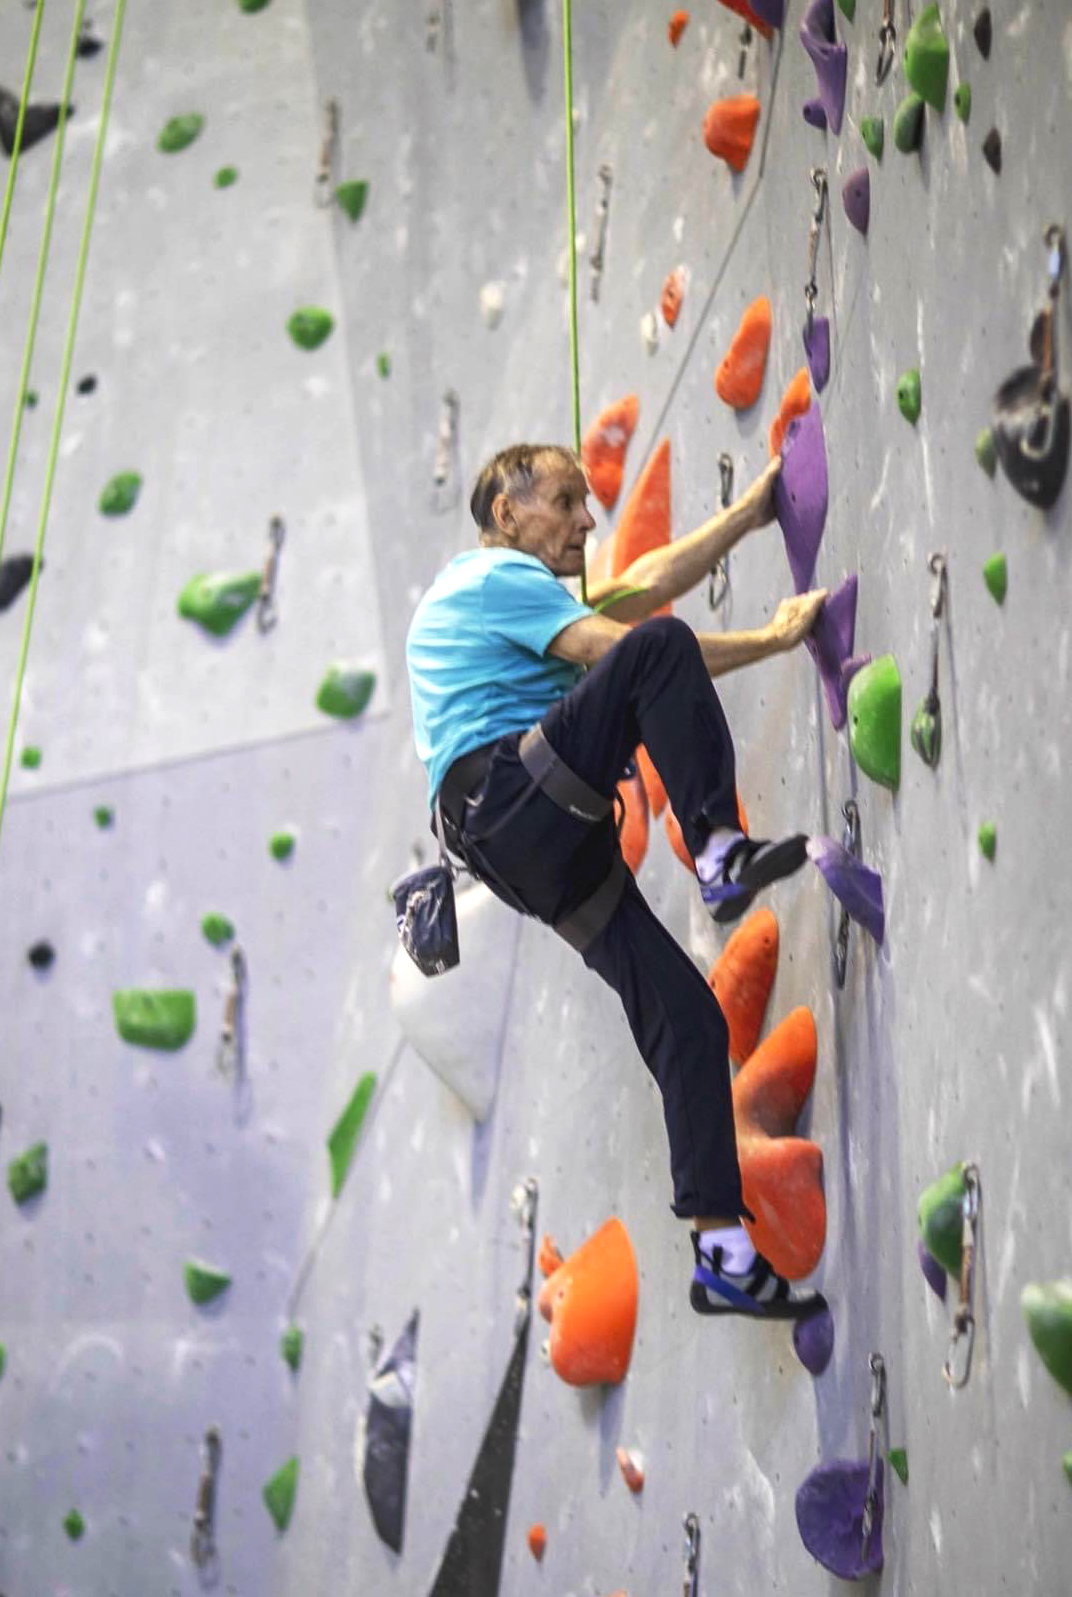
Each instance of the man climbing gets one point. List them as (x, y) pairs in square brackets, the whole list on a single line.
[(524, 749)]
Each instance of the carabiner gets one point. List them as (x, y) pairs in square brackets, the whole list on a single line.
[(718, 589), (957, 1366), (691, 1588), (887, 43), (850, 842), (523, 1201), (229, 1051), (445, 439), (266, 611), (877, 1366), (322, 194), (203, 1553), (811, 287), (744, 41)]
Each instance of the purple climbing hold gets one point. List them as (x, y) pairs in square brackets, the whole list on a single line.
[(814, 114), (856, 196), (830, 646), (932, 1270), (849, 669), (857, 888), (771, 12), (828, 57), (800, 494), (813, 1339), (830, 1518), (817, 349)]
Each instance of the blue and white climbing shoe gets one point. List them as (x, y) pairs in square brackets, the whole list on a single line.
[(759, 1292), (750, 865)]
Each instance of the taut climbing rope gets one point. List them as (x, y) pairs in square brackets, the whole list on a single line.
[(27, 82), (571, 218)]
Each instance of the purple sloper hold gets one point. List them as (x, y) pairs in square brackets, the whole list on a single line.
[(829, 59), (814, 114), (817, 349), (853, 884), (830, 646), (813, 1339), (771, 12), (856, 196), (800, 494), (830, 1518), (849, 669), (932, 1271)]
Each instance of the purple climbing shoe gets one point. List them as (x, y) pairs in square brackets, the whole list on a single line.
[(759, 1292), (749, 866)]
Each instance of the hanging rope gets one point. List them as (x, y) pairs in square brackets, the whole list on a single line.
[(571, 220), (68, 348), (27, 82)]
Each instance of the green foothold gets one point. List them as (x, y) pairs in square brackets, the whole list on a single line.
[(1048, 1312), (873, 131), (3, 1359), (74, 1524), (310, 326), (281, 845), (180, 132), (345, 690), (908, 124), (941, 1218), (104, 815), (120, 495), (155, 1019), (218, 929), (217, 602), (996, 577), (28, 1174), (986, 451), (280, 1492), (909, 395), (351, 198), (988, 840), (225, 177), (250, 6), (848, 9), (962, 100), (926, 57), (31, 758), (875, 720), (342, 1142), (29, 399), (898, 1458), (383, 365), (290, 1345), (203, 1282), (1067, 1464), (926, 732)]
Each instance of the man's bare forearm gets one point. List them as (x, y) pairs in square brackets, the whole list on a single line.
[(728, 651), (667, 573)]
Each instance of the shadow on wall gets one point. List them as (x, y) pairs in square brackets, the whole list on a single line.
[(534, 44)]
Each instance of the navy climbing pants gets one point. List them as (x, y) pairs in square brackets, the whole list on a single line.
[(651, 688)]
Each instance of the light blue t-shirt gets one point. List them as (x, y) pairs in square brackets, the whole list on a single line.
[(476, 653)]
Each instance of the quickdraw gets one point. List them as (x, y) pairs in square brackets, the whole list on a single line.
[(957, 1366), (523, 1201), (597, 257), (691, 1587), (446, 445), (718, 583), (927, 721), (266, 611), (811, 287), (850, 842), (887, 43), (745, 40), (322, 194), (230, 1052), (875, 1449), (203, 1551)]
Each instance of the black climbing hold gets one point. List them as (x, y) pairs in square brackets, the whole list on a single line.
[(88, 43), (41, 956), (387, 1432), (984, 32), (40, 121), (1031, 433), (15, 574), (87, 384), (992, 150), (29, 399)]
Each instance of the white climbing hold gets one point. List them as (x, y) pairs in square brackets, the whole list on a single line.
[(492, 301), (563, 259), (649, 332)]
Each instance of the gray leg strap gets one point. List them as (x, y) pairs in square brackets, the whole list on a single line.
[(563, 786), (586, 922)]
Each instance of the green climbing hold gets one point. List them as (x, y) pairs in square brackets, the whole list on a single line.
[(31, 757), (345, 690), (909, 395), (848, 9), (217, 928), (875, 720), (290, 1345), (225, 177), (281, 845), (217, 602), (1048, 1312), (926, 732), (203, 1282), (873, 131), (1067, 1464), (383, 364), (908, 124), (252, 5), (29, 399), (155, 1019), (74, 1524), (351, 198), (962, 101), (280, 1492), (898, 1458), (941, 1218), (179, 132), (28, 1174), (3, 1359), (926, 60), (996, 577), (310, 326), (104, 815), (988, 840), (120, 495), (986, 451), (344, 1134)]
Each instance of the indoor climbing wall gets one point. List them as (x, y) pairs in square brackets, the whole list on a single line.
[(259, 1303)]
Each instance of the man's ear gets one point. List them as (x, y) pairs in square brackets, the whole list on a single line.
[(502, 513)]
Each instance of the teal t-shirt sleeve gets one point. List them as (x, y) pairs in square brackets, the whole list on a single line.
[(524, 604)]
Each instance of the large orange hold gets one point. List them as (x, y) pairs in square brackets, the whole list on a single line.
[(678, 23), (677, 836), (633, 836), (795, 401), (645, 521), (743, 9), (591, 1302), (742, 977), (740, 376), (729, 128), (782, 1175), (653, 782), (604, 445)]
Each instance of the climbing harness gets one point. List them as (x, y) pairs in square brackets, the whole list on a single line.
[(877, 1366), (322, 194), (957, 1366), (718, 581), (691, 1587), (1031, 414), (850, 842), (443, 475), (230, 1051), (561, 785), (811, 287), (887, 43), (203, 1552), (266, 611), (571, 224), (596, 259), (927, 721)]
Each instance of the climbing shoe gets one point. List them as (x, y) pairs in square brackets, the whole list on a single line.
[(750, 865), (759, 1292)]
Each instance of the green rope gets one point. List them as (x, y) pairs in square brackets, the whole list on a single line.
[(31, 61), (68, 353), (571, 208)]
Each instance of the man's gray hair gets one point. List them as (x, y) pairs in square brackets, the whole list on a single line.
[(511, 471)]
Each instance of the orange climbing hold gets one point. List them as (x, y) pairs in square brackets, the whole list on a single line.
[(782, 1175), (742, 977), (729, 128), (740, 376), (645, 521), (653, 782), (743, 9), (548, 1257), (678, 23), (672, 295), (631, 1468), (634, 833), (677, 836), (537, 1540), (795, 401), (591, 1303), (604, 445)]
